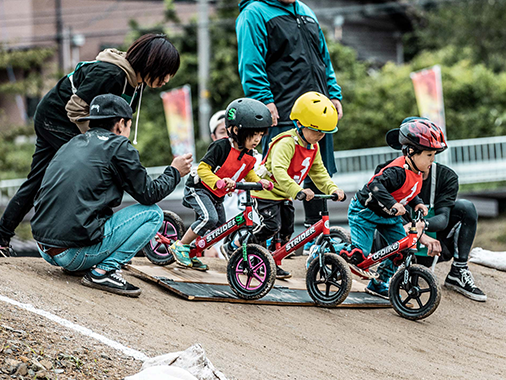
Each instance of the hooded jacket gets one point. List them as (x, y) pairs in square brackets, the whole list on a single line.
[(282, 55), (69, 100), (78, 194)]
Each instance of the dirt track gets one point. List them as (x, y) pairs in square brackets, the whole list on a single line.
[(462, 339)]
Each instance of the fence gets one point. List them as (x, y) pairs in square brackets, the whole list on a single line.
[(475, 161)]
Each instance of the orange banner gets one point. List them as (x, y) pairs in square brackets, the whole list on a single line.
[(429, 95), (178, 115)]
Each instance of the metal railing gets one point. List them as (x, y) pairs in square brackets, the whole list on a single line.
[(474, 160)]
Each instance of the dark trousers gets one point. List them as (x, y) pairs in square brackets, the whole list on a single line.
[(458, 237), (275, 216), (46, 146), (314, 207)]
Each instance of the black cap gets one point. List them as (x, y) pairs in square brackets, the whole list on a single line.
[(108, 106)]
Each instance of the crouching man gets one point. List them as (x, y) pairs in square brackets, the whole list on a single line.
[(74, 223)]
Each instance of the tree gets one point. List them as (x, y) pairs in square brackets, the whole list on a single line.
[(477, 25)]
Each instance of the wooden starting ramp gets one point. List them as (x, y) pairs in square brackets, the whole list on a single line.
[(212, 285)]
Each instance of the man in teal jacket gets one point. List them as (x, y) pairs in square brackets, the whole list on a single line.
[(282, 55)]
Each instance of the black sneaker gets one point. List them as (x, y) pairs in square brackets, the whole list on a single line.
[(227, 250), (461, 280), (6, 249), (111, 282), (282, 274)]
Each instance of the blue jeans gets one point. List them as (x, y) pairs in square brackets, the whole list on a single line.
[(363, 222), (125, 233)]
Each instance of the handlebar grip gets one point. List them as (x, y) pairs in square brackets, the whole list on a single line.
[(270, 187), (248, 186), (394, 210), (344, 198), (220, 184), (300, 196)]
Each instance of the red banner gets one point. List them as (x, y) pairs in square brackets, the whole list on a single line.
[(178, 115), (429, 95)]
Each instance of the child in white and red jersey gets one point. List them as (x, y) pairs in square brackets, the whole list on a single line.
[(228, 159)]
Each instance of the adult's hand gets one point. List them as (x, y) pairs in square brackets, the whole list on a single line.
[(183, 163), (274, 113), (433, 245), (339, 107)]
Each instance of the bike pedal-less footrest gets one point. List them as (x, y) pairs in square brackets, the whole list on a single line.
[(366, 274)]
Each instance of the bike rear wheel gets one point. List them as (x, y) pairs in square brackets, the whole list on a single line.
[(253, 279), (419, 297), (173, 229), (330, 284)]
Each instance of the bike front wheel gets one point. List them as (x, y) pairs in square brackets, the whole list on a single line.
[(419, 297), (173, 229), (254, 278), (329, 284)]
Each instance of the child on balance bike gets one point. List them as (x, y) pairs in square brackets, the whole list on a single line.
[(229, 160), (292, 156), (380, 203)]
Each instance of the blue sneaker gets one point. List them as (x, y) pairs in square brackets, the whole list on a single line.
[(377, 288), (181, 253), (307, 247), (313, 254)]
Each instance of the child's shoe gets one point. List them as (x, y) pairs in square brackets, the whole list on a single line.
[(227, 250), (181, 253), (307, 247), (313, 254), (282, 274), (461, 280), (198, 265), (377, 288)]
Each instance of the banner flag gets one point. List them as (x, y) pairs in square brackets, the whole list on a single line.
[(178, 115), (429, 95)]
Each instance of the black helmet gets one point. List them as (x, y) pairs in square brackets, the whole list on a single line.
[(247, 113)]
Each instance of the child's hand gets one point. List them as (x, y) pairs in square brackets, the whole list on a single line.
[(229, 183), (400, 209), (309, 194), (183, 163), (266, 184), (341, 195), (422, 207)]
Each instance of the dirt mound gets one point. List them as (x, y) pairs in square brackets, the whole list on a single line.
[(462, 339)]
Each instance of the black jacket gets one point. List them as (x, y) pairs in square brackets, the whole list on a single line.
[(84, 181)]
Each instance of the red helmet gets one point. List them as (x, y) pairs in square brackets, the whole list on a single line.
[(422, 134)]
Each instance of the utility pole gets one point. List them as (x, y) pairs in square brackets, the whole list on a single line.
[(204, 58), (59, 35)]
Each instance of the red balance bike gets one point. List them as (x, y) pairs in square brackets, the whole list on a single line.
[(328, 279), (414, 291), (254, 271)]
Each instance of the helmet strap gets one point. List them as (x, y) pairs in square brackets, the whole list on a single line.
[(300, 131), (409, 156)]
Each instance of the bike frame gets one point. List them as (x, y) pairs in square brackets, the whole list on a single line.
[(201, 243), (322, 226), (407, 243)]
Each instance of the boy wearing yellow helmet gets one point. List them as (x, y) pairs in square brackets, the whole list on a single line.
[(292, 156)]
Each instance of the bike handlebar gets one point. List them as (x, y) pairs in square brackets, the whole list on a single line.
[(220, 184), (301, 196)]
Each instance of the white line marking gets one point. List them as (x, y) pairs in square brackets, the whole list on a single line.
[(83, 330)]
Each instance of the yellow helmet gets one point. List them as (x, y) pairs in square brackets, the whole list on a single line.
[(315, 111)]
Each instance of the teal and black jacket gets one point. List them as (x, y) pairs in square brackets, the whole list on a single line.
[(282, 55)]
